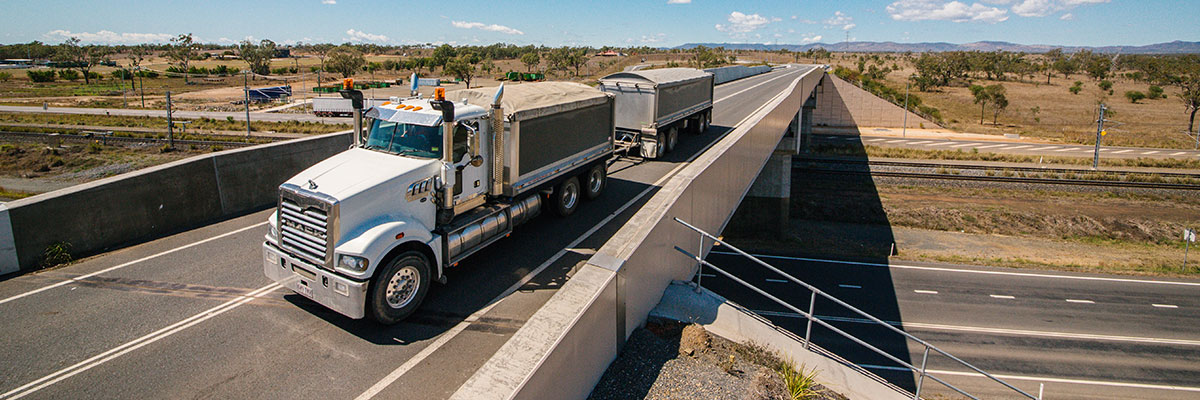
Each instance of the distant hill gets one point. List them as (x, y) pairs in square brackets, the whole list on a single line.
[(1176, 47)]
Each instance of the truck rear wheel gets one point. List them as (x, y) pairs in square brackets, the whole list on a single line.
[(398, 289), (566, 197), (672, 139), (595, 179)]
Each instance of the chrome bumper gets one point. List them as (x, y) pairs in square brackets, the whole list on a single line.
[(326, 288)]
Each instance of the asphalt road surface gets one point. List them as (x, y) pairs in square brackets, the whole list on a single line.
[(1035, 149), (1084, 336), (192, 316)]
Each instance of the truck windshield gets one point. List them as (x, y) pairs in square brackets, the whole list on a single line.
[(405, 139)]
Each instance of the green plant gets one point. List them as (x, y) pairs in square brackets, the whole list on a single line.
[(94, 148), (5, 76), (1134, 96), (800, 383), (1078, 86), (1155, 92), (41, 76), (68, 74), (57, 253)]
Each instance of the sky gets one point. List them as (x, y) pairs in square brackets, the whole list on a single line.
[(658, 23)]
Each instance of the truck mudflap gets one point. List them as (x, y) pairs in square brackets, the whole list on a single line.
[(340, 294)]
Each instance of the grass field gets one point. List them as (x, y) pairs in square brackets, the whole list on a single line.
[(195, 126)]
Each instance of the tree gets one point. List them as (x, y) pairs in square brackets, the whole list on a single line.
[(257, 56), (346, 60), (80, 57), (487, 65), (999, 101), (1049, 59), (321, 51), (1134, 96), (1097, 66), (461, 68), (981, 98), (182, 51), (136, 55), (443, 54), (530, 59)]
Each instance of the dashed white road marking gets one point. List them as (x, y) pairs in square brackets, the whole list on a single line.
[(772, 280), (925, 291), (1179, 153), (1150, 152), (1122, 151), (939, 144), (850, 286), (990, 146), (921, 142), (1066, 149), (1165, 305), (873, 140), (896, 141), (1017, 147), (1002, 296), (1044, 379), (1079, 301), (964, 145), (1045, 148)]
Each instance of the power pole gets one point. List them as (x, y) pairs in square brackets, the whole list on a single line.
[(1099, 134), (170, 125), (246, 89)]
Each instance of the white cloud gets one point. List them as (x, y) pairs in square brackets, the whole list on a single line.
[(1067, 17), (742, 23), (108, 37), (1042, 8), (330, 2), (810, 39), (839, 19), (934, 10), (486, 27), (679, 1), (360, 36), (648, 39)]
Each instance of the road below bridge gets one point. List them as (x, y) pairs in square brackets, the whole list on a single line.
[(191, 315)]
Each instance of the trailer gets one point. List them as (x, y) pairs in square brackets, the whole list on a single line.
[(653, 106), (339, 107)]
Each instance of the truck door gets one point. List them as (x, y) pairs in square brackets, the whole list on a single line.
[(470, 180)]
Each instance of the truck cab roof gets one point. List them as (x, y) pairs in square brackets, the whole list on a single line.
[(418, 111)]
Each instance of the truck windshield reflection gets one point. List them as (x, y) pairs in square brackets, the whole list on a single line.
[(405, 139)]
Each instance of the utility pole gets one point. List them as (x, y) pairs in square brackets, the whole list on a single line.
[(246, 89), (904, 130), (1099, 134), (170, 125)]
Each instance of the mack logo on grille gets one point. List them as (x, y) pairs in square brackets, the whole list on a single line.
[(304, 228)]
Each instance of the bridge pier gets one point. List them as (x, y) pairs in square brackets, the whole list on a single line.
[(764, 209)]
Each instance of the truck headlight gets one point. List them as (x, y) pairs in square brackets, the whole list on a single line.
[(352, 263), (274, 232)]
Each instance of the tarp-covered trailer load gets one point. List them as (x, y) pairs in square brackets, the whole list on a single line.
[(550, 128), (262, 95), (652, 106)]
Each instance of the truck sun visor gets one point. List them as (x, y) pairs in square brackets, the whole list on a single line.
[(404, 117)]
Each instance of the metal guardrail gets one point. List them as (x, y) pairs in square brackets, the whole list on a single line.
[(810, 316), (1008, 179), (107, 139), (801, 161)]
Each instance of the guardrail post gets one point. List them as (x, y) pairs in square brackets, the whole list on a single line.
[(1041, 387), (920, 380), (699, 265), (812, 303)]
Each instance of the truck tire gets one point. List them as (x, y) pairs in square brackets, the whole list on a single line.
[(704, 122), (672, 139), (565, 199), (397, 290), (594, 181)]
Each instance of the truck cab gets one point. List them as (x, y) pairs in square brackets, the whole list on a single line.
[(426, 183)]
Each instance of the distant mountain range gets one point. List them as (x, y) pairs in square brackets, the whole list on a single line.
[(1176, 47)]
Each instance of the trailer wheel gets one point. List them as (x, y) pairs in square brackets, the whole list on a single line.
[(397, 290), (566, 197), (672, 139), (596, 179), (703, 123)]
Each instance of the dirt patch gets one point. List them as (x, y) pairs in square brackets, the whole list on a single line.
[(672, 360)]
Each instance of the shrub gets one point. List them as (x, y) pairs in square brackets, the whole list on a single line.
[(94, 147), (146, 74), (68, 74), (41, 76), (56, 254), (1105, 85), (1078, 86), (1134, 96), (5, 76), (122, 74), (93, 75), (1155, 92)]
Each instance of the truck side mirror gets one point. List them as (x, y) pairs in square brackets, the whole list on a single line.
[(472, 142)]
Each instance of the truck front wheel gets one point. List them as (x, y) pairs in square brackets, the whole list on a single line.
[(398, 289), (566, 197)]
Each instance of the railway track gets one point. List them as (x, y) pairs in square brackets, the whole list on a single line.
[(806, 165), (53, 137)]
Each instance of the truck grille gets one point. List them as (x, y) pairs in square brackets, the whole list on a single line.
[(304, 231)]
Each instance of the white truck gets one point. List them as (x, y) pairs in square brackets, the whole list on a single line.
[(366, 231), (654, 106)]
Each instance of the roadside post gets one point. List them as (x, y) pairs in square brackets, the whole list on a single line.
[(170, 126), (1189, 236), (1099, 134)]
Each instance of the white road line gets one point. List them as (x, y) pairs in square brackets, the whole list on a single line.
[(1001, 296), (785, 74), (850, 286), (990, 146), (850, 138), (925, 291), (1017, 147), (1150, 152), (964, 145), (1179, 153), (998, 331), (709, 275), (1080, 301), (972, 271), (116, 267), (921, 142), (1121, 151), (1165, 305), (896, 141), (1066, 149), (939, 144), (461, 326), (873, 140), (1044, 148), (1044, 379), (135, 344), (776, 280)]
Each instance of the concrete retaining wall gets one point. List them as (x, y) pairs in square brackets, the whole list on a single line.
[(562, 351), (97, 216), (841, 104), (735, 72)]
